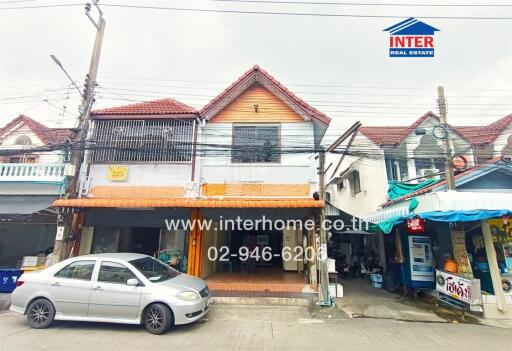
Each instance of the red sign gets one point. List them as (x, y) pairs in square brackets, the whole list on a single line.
[(415, 226)]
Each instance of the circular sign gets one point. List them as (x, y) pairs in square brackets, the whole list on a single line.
[(459, 162), (440, 132)]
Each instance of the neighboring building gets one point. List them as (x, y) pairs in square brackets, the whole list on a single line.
[(360, 186), (248, 153), (29, 183)]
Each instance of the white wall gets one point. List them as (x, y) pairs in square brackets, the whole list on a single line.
[(374, 186), (293, 168), (30, 188), (164, 174), (501, 141), (373, 180)]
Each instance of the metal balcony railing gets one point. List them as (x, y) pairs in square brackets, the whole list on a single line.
[(32, 172)]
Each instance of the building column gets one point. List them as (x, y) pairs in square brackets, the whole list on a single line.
[(493, 266), (313, 280), (195, 245)]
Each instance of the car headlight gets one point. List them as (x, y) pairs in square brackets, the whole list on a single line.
[(188, 295)]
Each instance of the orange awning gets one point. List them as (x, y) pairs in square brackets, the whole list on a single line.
[(188, 203)]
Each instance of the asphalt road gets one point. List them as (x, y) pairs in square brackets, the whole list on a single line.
[(229, 327)]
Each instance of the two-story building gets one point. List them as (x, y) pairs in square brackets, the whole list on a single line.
[(248, 155), (399, 154), (30, 180), (398, 180)]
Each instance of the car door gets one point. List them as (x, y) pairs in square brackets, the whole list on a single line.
[(70, 288), (111, 297)]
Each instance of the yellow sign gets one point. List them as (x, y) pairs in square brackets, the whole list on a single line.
[(117, 173), (500, 231)]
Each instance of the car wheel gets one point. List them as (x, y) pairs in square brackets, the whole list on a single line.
[(40, 313), (158, 318)]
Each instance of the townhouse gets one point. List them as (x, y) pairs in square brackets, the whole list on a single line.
[(29, 183), (400, 155), (423, 234), (248, 154)]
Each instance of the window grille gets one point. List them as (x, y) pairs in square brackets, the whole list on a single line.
[(252, 144), (142, 141)]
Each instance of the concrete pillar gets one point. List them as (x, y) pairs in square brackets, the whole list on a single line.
[(313, 279), (493, 266)]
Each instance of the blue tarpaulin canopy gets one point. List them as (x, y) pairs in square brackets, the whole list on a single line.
[(443, 216)]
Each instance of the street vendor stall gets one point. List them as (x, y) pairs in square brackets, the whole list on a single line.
[(473, 250)]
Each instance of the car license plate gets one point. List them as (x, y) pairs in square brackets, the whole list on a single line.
[(207, 303)]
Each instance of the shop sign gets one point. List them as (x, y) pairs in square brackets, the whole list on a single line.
[(60, 233), (454, 286), (117, 173), (415, 225), (501, 230)]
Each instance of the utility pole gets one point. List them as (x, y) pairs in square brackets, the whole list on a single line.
[(324, 298), (77, 151), (450, 177)]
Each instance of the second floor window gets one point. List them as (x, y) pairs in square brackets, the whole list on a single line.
[(138, 141), (256, 144), (355, 183)]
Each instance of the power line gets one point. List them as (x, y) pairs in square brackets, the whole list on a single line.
[(247, 12), (338, 3), (40, 6)]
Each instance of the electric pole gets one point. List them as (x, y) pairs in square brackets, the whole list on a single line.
[(324, 298), (450, 177), (77, 150)]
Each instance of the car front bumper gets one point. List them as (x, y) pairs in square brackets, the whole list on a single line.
[(191, 311)]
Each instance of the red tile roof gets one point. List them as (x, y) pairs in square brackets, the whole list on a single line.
[(486, 134), (163, 108), (442, 182), (392, 136), (258, 74), (46, 134)]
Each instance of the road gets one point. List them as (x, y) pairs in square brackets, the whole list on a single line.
[(230, 327)]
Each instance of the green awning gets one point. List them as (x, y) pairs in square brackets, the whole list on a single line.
[(399, 189)]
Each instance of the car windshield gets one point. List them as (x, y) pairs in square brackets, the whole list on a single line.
[(154, 270)]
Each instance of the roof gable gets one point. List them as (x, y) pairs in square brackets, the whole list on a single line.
[(258, 75), (486, 134), (393, 136), (46, 134), (162, 108), (257, 104)]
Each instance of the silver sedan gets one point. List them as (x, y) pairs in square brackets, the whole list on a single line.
[(116, 288)]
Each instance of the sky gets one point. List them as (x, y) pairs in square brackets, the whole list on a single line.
[(340, 65)]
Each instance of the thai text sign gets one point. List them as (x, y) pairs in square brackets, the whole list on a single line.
[(454, 286)]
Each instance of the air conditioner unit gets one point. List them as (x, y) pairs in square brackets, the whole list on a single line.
[(429, 173)]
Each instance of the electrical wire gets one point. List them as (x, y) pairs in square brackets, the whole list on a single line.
[(248, 12), (343, 3)]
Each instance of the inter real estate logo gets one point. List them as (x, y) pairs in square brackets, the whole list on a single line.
[(411, 38)]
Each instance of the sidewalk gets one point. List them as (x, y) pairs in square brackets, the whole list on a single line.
[(361, 300)]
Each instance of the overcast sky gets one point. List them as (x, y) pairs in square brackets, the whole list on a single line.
[(338, 64)]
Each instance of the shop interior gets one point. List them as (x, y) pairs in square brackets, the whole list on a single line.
[(256, 272), (168, 246), (359, 258)]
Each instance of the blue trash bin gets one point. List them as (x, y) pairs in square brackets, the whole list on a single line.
[(8, 277)]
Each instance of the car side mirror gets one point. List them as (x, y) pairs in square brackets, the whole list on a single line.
[(132, 282)]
